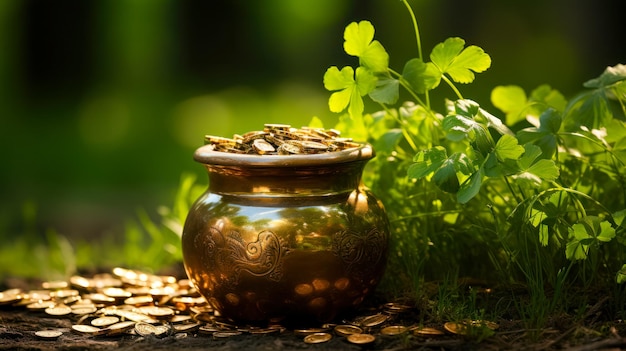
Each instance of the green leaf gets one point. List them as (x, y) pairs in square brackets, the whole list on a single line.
[(387, 91), (607, 232), (590, 230), (470, 187), (459, 128), (536, 216), (544, 169), (546, 135), (386, 143), (421, 76), (621, 275), (459, 63), (443, 169), (353, 127), (610, 76), (548, 97), (445, 177), (316, 122), (350, 90), (534, 169), (575, 248), (620, 218), (531, 153), (507, 147), (590, 109), (510, 99), (427, 162), (359, 42)]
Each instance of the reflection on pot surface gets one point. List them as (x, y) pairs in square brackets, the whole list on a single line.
[(286, 242)]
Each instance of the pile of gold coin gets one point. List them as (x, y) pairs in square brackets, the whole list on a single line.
[(282, 139), (132, 302)]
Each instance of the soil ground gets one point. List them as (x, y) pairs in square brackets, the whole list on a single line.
[(18, 327)]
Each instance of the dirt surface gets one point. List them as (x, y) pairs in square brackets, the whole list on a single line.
[(18, 327), (595, 329)]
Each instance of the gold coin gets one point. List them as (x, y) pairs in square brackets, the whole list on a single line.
[(40, 305), (104, 321), (55, 285), (456, 328), (139, 300), (394, 330), (276, 126), (262, 147), (145, 329), (483, 323), (361, 339), (83, 309), (313, 146), (226, 334), (119, 327), (87, 329), (427, 331), (374, 320), (63, 293), (206, 317), (251, 136), (60, 310), (180, 318), (134, 316), (396, 307), (116, 293), (261, 331), (48, 334), (208, 329), (282, 139), (186, 327), (100, 298), (308, 331), (158, 312), (9, 298), (317, 338), (289, 148), (346, 329), (210, 139), (80, 282), (71, 300)]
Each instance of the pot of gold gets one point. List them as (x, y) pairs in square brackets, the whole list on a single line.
[(285, 230)]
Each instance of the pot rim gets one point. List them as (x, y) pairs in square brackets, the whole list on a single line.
[(206, 155)]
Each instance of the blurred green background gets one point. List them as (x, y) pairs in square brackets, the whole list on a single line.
[(102, 102)]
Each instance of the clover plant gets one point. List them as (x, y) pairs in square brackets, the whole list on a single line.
[(536, 195)]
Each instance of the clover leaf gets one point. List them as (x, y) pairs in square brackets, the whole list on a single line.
[(450, 57), (507, 147), (435, 162), (589, 231), (348, 90), (421, 76), (546, 135), (387, 91), (610, 76), (359, 42), (512, 100), (535, 169), (621, 275)]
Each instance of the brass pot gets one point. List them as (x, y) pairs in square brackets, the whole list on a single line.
[(275, 236)]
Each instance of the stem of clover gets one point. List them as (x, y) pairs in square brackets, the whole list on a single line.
[(419, 44)]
